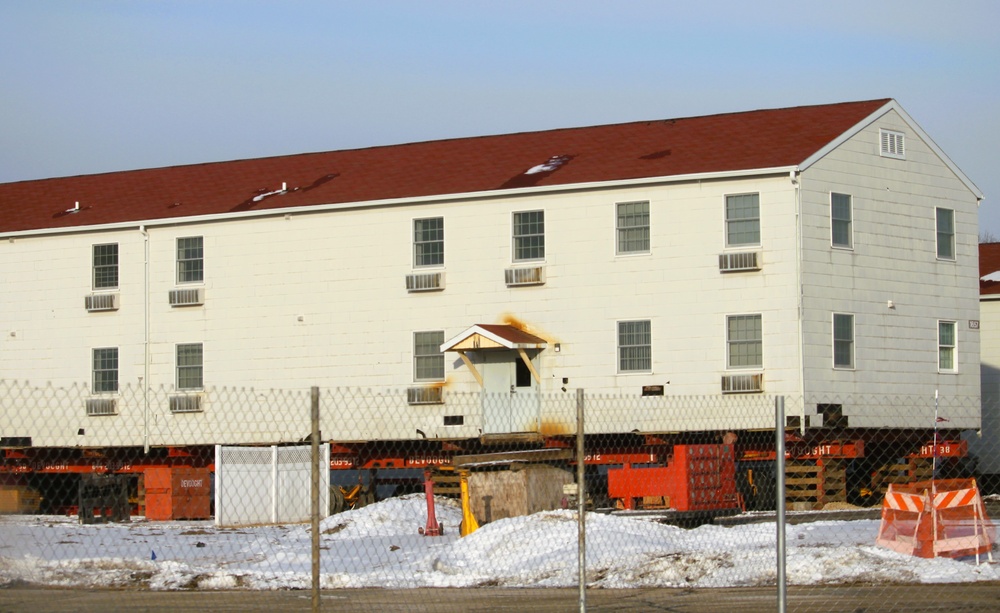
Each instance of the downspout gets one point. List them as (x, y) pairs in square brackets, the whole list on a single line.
[(797, 186), (145, 340)]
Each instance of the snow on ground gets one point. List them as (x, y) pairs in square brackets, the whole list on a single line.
[(379, 546)]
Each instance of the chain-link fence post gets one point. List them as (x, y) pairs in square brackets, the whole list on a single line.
[(581, 503), (779, 498), (314, 500)]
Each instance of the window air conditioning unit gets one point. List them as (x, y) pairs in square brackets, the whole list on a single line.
[(101, 302), (515, 277), (425, 282), (742, 384), (101, 406), (739, 261), (424, 395), (185, 404), (187, 297)]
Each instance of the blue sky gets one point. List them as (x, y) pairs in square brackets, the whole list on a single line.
[(88, 86)]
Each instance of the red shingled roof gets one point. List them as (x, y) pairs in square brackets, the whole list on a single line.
[(989, 262), (715, 143), (505, 334), (512, 334)]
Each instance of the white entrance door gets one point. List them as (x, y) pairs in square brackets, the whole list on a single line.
[(510, 394)]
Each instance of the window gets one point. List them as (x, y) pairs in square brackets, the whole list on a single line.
[(105, 370), (742, 220), (428, 242), (529, 236), (843, 340), (891, 144), (840, 220), (946, 346), (189, 366), (190, 260), (945, 224), (635, 352), (633, 227), (522, 374), (428, 361), (744, 342), (106, 266)]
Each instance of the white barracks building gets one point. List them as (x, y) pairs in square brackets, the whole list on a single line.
[(825, 253)]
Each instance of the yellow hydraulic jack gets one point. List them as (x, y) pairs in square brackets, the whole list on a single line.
[(469, 523)]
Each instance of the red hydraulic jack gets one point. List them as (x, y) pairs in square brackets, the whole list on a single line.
[(433, 528)]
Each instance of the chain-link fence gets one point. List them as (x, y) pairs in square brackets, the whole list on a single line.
[(424, 488)]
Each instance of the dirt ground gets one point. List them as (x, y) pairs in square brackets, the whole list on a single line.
[(966, 598)]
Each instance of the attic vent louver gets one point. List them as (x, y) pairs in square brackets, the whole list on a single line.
[(891, 144)]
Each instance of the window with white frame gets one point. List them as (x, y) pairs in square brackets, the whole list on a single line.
[(106, 266), (945, 224), (744, 341), (635, 346), (189, 366), (946, 346), (428, 361), (843, 340), (529, 236), (892, 144), (428, 242), (105, 370), (632, 224), (840, 220), (742, 220), (190, 259)]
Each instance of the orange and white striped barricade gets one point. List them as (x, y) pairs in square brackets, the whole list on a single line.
[(906, 525), (944, 518), (961, 526)]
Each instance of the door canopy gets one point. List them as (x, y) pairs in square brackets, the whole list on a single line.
[(495, 337)]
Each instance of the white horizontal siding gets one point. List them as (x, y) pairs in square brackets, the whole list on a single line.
[(893, 258)]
